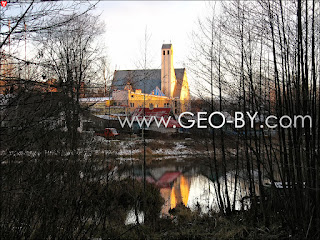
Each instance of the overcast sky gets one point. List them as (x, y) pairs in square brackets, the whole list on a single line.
[(166, 21)]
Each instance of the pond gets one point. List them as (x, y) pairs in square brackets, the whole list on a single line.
[(195, 188)]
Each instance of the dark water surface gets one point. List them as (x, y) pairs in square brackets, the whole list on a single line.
[(193, 186)]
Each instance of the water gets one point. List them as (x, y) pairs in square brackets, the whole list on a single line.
[(195, 188)]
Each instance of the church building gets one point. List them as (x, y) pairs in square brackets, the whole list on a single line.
[(153, 88)]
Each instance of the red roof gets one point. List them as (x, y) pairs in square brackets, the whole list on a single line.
[(156, 112), (167, 178)]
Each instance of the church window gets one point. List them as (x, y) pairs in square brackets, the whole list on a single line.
[(168, 52), (164, 52)]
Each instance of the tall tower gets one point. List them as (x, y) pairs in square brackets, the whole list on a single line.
[(168, 77)]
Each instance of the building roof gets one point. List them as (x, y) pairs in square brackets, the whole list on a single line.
[(146, 80), (94, 99), (166, 46), (157, 92), (147, 112), (167, 178), (158, 113)]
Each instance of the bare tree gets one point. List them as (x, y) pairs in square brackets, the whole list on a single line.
[(268, 57), (70, 52)]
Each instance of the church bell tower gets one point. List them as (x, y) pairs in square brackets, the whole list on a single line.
[(168, 78)]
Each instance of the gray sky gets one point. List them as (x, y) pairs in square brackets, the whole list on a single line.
[(166, 21), (126, 21)]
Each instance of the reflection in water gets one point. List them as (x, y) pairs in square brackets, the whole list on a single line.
[(201, 194), (179, 191), (132, 219), (184, 189), (191, 191), (173, 198), (194, 189), (199, 191)]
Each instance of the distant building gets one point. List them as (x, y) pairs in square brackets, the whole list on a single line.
[(154, 116), (153, 88), (97, 105), (7, 73)]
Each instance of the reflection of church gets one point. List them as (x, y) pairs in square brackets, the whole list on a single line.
[(176, 193), (179, 192), (196, 190), (173, 184)]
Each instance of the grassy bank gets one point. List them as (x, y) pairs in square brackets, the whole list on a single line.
[(185, 224)]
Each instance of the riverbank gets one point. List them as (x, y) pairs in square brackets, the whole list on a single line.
[(160, 149), (185, 224)]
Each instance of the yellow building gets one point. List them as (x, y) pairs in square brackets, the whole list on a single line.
[(152, 88), (97, 105)]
